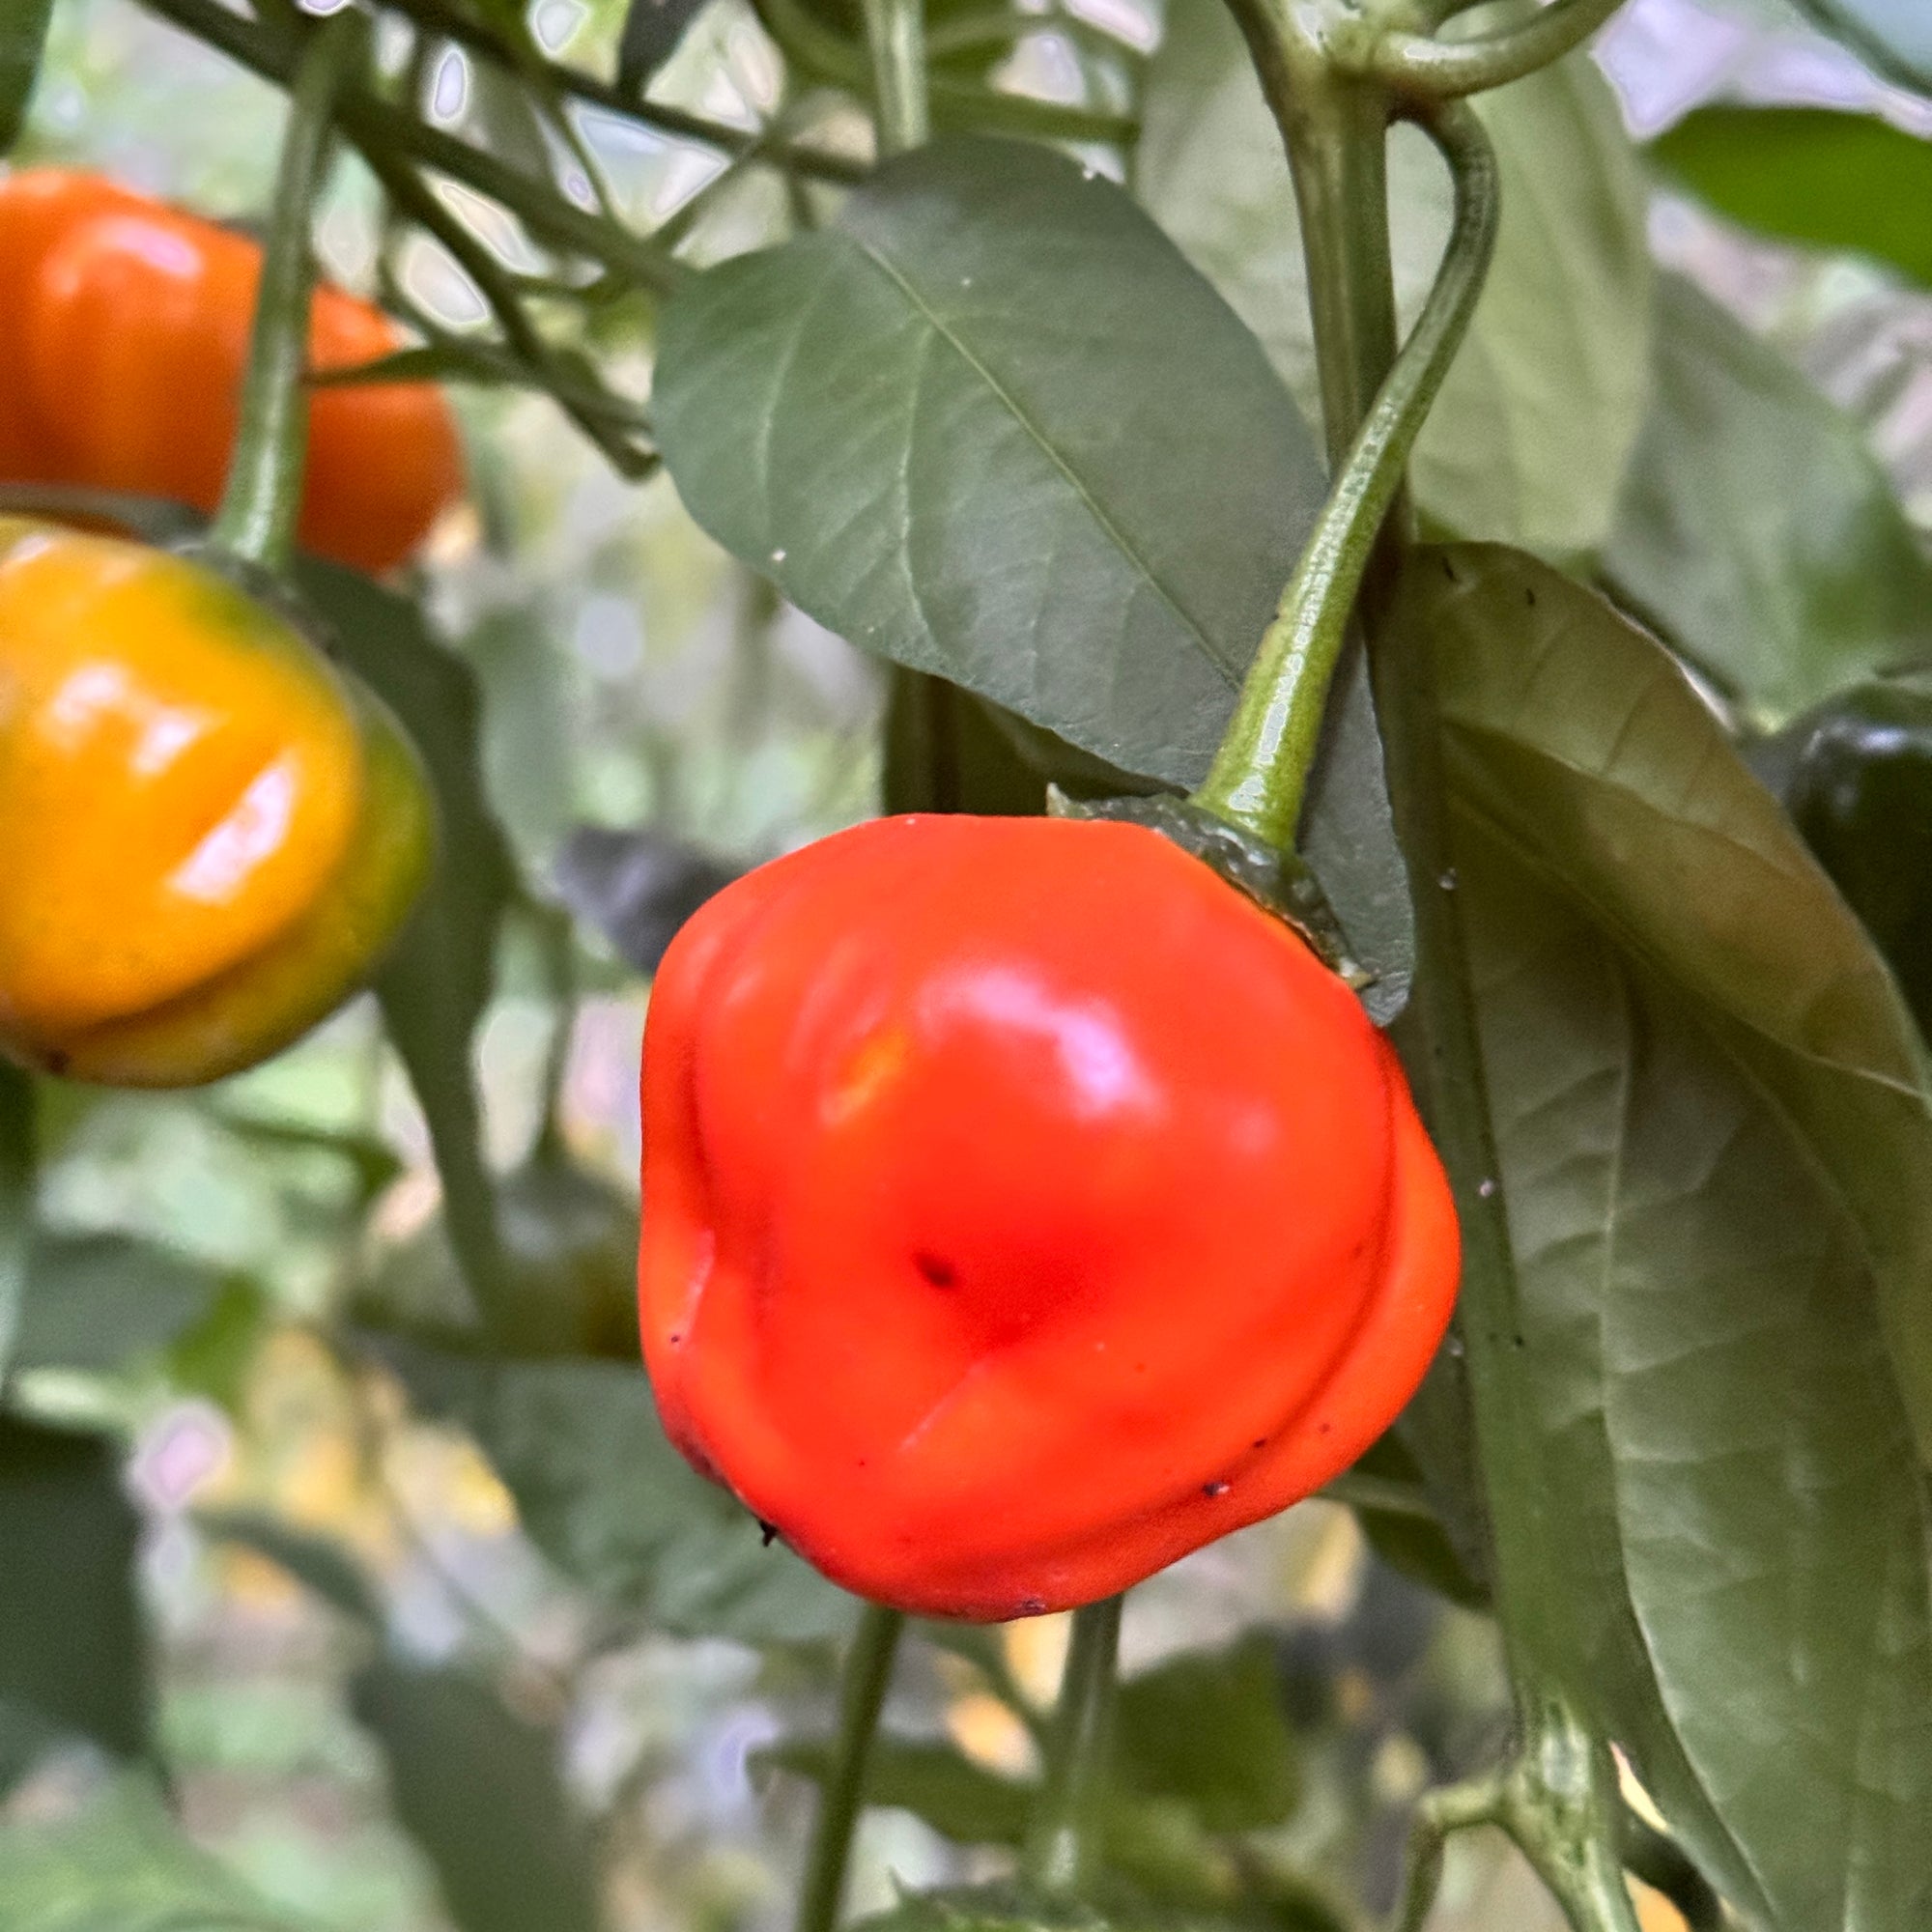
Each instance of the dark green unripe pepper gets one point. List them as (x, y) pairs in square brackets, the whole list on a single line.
[(1855, 776)]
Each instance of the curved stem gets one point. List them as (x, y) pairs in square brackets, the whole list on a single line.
[(257, 518), (896, 33), (862, 1691), (1261, 772), (1064, 1845), (1423, 67)]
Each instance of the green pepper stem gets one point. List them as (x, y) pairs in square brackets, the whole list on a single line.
[(1260, 775), (862, 1691), (1065, 1846), (896, 33), (259, 508), (1422, 67)]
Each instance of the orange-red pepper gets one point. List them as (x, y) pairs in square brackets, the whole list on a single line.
[(124, 329), (1024, 1207)]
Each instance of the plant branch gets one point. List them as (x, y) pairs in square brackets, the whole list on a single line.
[(1420, 67), (1065, 1842), (868, 1667), (895, 34), (263, 497), (1259, 773), (378, 130)]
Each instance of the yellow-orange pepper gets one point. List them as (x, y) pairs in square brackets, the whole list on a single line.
[(209, 832)]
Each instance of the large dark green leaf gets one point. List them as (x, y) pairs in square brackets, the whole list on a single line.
[(71, 1643), (613, 1505), (1758, 532), (481, 1792), (436, 984), (1528, 439), (992, 426), (1895, 35), (1574, 731), (95, 1301), (1715, 1152), (23, 33), (1810, 174), (123, 1864)]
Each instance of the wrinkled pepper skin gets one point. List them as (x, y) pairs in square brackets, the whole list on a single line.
[(208, 834), (1857, 778), (1024, 1207), (124, 329)]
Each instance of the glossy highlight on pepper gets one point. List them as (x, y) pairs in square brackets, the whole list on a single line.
[(1024, 1207), (208, 834), (123, 326)]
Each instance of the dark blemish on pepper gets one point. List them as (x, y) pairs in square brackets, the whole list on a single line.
[(1032, 1607), (675, 1337), (1530, 597), (1213, 1489), (1324, 1429), (1259, 1442), (938, 1273), (57, 1060), (768, 1532)]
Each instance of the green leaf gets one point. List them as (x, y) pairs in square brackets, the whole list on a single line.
[(1758, 532), (613, 1505), (480, 1791), (652, 31), (71, 1643), (121, 1864), (1809, 173), (319, 1564), (23, 35), (1578, 734), (1893, 37), (1716, 1152), (1528, 439), (958, 1799), (1208, 1728), (437, 983), (17, 1206), (96, 1301), (992, 426), (990, 1908)]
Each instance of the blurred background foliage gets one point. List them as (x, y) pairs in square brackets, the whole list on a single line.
[(415, 1643)]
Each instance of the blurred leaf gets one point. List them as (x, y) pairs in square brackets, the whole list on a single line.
[(991, 1908), (23, 34), (992, 426), (319, 1564), (1893, 37), (123, 1864), (1810, 174), (613, 1505), (1528, 439), (480, 1790), (437, 983), (1209, 1728), (636, 888), (570, 1242), (1758, 532), (214, 1356), (71, 1643), (528, 721), (652, 31), (1414, 1541), (95, 1301), (958, 1799), (17, 1207), (1715, 1149)]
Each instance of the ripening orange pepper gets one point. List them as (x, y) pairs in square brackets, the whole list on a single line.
[(208, 834), (1024, 1207), (124, 330)]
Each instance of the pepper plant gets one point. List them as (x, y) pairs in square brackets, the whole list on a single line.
[(1272, 429)]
